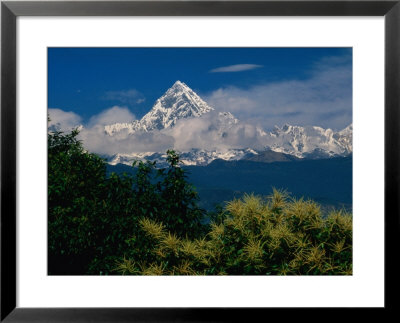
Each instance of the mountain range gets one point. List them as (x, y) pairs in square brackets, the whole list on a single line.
[(180, 103), (201, 134)]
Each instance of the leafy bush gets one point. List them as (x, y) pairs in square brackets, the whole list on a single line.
[(89, 214), (277, 236), (165, 194), (93, 218)]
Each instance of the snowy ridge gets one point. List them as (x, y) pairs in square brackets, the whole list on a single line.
[(118, 127), (345, 138), (194, 157), (308, 141)]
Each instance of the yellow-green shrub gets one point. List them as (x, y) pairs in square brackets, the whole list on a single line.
[(278, 235)]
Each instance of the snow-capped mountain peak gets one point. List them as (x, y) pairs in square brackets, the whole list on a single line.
[(179, 86), (178, 102)]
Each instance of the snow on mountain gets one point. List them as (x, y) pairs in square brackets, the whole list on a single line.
[(345, 138), (196, 157), (56, 127), (128, 159), (224, 122), (302, 142), (130, 127), (311, 141), (179, 102)]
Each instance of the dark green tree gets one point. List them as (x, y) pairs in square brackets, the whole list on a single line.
[(75, 178), (179, 199), (93, 217)]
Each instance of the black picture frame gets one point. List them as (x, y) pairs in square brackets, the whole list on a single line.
[(10, 10)]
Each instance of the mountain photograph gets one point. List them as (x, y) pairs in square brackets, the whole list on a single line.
[(200, 161)]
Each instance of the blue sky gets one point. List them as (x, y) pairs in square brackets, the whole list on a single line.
[(87, 81)]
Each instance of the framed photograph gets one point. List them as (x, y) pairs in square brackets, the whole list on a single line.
[(196, 160)]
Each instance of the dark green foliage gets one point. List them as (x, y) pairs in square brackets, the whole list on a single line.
[(89, 214), (166, 195), (73, 181), (93, 218), (181, 214)]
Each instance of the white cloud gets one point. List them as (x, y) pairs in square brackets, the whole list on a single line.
[(112, 115), (235, 68), (324, 99), (94, 137), (63, 120), (96, 140), (204, 133)]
